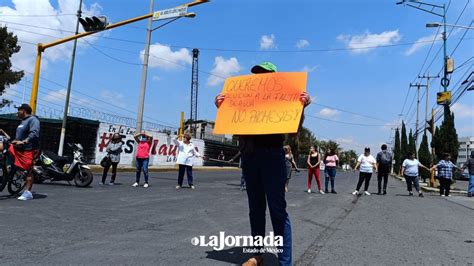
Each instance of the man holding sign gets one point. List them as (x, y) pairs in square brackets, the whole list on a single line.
[(260, 109)]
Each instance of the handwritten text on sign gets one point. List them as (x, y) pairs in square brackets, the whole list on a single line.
[(261, 104)]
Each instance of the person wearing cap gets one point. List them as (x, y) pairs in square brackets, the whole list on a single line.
[(264, 169), (26, 145), (367, 163), (469, 164)]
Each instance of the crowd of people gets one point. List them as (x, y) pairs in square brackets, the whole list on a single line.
[(266, 164)]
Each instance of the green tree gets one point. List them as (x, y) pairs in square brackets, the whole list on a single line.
[(8, 47), (330, 144), (348, 157), (424, 156), (411, 143), (404, 143), (301, 142), (397, 153), (446, 137)]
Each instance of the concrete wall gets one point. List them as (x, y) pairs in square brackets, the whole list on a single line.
[(163, 151)]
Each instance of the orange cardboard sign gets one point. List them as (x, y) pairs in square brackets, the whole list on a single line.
[(261, 104)]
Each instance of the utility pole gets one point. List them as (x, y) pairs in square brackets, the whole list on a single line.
[(146, 55), (194, 93), (427, 77), (69, 84), (417, 86)]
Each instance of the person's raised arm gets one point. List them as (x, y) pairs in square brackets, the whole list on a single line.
[(136, 137), (5, 134)]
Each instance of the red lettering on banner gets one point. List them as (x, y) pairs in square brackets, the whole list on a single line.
[(153, 149), (163, 150), (172, 150), (104, 141)]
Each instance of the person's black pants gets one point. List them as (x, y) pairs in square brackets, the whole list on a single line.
[(114, 172), (383, 174), (444, 186), (189, 172), (364, 177)]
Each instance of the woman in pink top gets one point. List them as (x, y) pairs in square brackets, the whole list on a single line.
[(143, 155), (330, 162)]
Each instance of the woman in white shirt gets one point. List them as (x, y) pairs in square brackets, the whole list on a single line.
[(410, 172), (186, 153), (367, 164)]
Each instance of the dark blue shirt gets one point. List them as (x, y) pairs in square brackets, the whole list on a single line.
[(29, 130)]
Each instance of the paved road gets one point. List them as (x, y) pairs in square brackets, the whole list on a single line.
[(125, 225)]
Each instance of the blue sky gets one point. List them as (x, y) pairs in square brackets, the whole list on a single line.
[(233, 36)]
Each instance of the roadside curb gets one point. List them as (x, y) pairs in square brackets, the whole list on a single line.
[(154, 169), (432, 189)]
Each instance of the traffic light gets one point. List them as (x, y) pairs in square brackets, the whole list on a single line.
[(94, 23)]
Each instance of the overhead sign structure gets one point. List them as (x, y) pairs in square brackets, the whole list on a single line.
[(443, 98), (261, 104), (170, 13)]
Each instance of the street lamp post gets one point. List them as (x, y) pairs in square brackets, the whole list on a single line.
[(69, 84), (146, 55), (435, 25), (421, 6)]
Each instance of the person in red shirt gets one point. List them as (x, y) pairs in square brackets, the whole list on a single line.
[(142, 156)]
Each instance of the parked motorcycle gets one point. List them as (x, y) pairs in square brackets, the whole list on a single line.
[(52, 167)]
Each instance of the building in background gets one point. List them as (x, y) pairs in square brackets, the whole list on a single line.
[(204, 130), (466, 145)]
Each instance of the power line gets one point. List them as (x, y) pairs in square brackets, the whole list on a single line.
[(87, 95), (351, 112), (236, 50), (45, 15), (347, 123)]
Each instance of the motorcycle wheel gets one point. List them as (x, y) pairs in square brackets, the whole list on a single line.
[(38, 179), (3, 176), (17, 181), (85, 180)]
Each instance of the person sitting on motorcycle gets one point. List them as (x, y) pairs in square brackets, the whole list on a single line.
[(3, 138), (25, 146)]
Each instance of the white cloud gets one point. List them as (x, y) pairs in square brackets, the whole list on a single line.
[(113, 97), (422, 42), (467, 130), (328, 113), (59, 96), (267, 42), (349, 143), (390, 126), (156, 78), (163, 57), (60, 24), (222, 69), (56, 96), (462, 111), (360, 42), (300, 44), (309, 68)]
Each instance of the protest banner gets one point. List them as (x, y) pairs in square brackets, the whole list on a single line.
[(261, 104)]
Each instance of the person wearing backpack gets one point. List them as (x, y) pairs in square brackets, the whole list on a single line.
[(384, 166)]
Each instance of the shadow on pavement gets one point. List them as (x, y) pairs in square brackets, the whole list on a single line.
[(62, 184), (6, 197), (236, 256), (39, 196), (35, 196)]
